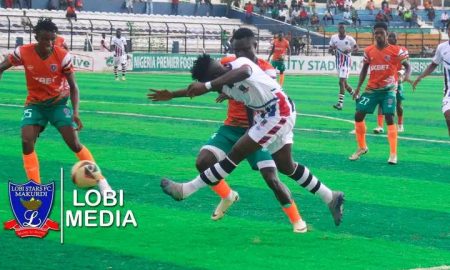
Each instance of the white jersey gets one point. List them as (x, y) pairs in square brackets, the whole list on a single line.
[(342, 45), (259, 91), (119, 46), (442, 56), (104, 46)]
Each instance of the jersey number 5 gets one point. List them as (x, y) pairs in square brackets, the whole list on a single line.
[(27, 113)]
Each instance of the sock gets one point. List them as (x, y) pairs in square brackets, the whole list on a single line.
[(85, 154), (31, 165), (291, 212), (392, 138), (124, 70), (210, 176), (115, 71), (380, 119), (341, 99), (360, 132), (281, 79), (307, 180), (350, 91), (222, 189), (400, 120)]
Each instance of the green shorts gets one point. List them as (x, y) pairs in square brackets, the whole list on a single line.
[(400, 95), (57, 115), (278, 65), (227, 136), (369, 101)]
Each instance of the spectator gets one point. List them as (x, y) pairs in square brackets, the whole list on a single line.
[(148, 7), (294, 16), (381, 17), (225, 42), (340, 4), (355, 17), (248, 12), (104, 46), (312, 6), (275, 12), (348, 4), (209, 9), (79, 5), (370, 6), (328, 17), (175, 4), (384, 4), (407, 16), (331, 4), (427, 5), (303, 17), (25, 21), (444, 20), (347, 17), (314, 19), (129, 5), (283, 15), (70, 13), (431, 14), (401, 8), (197, 3)]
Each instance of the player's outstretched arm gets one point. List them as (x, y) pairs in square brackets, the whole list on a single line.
[(74, 99), (431, 67), (362, 78), (164, 95), (6, 64), (231, 77), (407, 77)]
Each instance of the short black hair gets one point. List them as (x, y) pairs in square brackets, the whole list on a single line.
[(200, 67), (45, 24), (341, 23), (243, 32), (380, 25)]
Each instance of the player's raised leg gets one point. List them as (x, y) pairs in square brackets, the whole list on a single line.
[(70, 136), (30, 134), (179, 191), (303, 176)]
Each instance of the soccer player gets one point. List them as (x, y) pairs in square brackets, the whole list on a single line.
[(61, 42), (441, 56), (392, 39), (50, 82), (119, 46), (234, 127), (279, 48), (342, 46), (274, 120), (383, 60)]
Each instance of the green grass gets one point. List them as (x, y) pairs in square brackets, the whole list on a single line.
[(396, 217)]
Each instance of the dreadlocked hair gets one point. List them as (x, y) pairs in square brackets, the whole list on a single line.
[(200, 67), (45, 24)]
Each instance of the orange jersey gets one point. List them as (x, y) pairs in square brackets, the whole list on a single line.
[(383, 65), (46, 81), (280, 48), (60, 41), (237, 112)]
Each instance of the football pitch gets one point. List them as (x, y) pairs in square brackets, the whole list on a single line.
[(396, 217)]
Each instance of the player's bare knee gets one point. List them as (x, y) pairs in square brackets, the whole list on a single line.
[(389, 119), (75, 146)]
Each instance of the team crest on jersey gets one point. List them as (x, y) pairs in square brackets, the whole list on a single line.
[(387, 57), (53, 67), (31, 204), (30, 67)]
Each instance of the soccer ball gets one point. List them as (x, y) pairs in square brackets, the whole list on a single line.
[(85, 174)]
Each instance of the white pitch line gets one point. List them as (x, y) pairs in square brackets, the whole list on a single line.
[(442, 267), (216, 121)]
